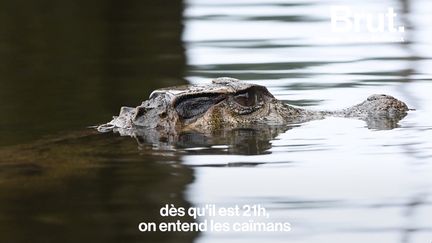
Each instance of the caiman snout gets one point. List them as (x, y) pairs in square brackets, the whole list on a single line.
[(377, 105)]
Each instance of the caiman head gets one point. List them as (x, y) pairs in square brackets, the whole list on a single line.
[(225, 103)]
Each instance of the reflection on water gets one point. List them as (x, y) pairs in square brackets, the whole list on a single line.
[(67, 66), (248, 140), (87, 187)]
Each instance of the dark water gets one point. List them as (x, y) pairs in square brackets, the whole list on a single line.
[(68, 65)]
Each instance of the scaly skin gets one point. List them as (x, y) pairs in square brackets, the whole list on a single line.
[(228, 103)]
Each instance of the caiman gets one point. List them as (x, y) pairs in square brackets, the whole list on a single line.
[(228, 103)]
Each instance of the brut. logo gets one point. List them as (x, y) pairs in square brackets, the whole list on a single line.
[(344, 19)]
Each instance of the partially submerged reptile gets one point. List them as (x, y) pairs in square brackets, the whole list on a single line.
[(230, 103)]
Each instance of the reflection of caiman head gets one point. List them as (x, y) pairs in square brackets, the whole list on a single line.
[(228, 103)]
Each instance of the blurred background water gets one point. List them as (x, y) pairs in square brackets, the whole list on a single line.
[(69, 65)]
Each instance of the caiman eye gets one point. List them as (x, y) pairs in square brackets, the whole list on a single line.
[(249, 97), (191, 106)]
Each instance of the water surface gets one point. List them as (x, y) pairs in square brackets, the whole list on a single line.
[(334, 180)]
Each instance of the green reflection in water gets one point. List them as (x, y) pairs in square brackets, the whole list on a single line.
[(66, 65), (87, 187), (70, 64)]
